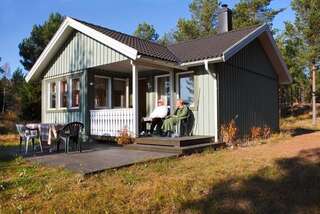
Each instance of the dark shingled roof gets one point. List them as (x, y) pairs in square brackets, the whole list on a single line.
[(187, 51), (209, 47), (144, 47)]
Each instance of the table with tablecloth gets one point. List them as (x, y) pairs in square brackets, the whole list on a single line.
[(47, 131)]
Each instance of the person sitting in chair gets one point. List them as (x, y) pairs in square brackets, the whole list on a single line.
[(155, 118), (171, 121)]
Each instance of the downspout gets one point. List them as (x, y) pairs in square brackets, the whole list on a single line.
[(215, 103)]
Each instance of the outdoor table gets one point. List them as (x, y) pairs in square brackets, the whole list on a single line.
[(53, 130), (47, 131)]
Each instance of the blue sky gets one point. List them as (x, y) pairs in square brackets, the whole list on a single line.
[(17, 17)]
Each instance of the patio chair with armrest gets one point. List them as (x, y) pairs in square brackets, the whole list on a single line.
[(185, 125), (157, 126), (26, 134), (70, 132)]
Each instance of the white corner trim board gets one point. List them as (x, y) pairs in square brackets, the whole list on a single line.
[(64, 31), (215, 107)]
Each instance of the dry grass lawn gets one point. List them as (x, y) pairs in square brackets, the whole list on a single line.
[(282, 175)]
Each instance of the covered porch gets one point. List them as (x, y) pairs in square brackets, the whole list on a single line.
[(121, 93)]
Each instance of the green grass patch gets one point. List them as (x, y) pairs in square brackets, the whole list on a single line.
[(270, 178)]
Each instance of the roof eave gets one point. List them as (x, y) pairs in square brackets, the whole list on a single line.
[(232, 50), (200, 62), (60, 35)]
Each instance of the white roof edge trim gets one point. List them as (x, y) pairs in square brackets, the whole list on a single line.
[(160, 62), (200, 62), (44, 53), (104, 39), (112, 43), (231, 50), (284, 65), (227, 54)]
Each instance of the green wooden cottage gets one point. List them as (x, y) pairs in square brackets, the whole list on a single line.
[(108, 80)]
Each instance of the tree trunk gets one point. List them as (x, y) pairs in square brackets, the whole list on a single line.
[(4, 99), (314, 110)]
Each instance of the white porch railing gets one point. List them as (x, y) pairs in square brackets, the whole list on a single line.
[(108, 122)]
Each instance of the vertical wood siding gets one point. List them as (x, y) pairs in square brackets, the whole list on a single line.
[(81, 52), (204, 106), (248, 88)]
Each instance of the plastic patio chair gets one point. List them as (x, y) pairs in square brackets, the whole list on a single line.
[(71, 131), (26, 134), (185, 126)]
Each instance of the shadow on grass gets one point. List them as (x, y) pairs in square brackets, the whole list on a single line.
[(301, 131), (293, 186), (8, 152)]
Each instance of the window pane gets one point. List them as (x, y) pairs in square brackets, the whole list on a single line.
[(186, 88), (53, 95), (119, 93), (75, 92), (163, 89), (63, 93), (101, 87)]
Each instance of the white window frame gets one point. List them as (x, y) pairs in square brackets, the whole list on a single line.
[(49, 95), (59, 91), (127, 91), (70, 93), (178, 84), (107, 94), (156, 88)]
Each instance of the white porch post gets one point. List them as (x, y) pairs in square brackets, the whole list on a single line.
[(135, 100), (171, 91)]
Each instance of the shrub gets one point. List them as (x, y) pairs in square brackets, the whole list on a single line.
[(260, 133), (255, 133), (124, 137), (266, 132), (229, 132)]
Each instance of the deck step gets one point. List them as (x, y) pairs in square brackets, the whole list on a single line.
[(153, 148), (170, 149), (174, 142)]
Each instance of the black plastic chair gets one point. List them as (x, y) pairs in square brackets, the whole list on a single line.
[(186, 125), (70, 132)]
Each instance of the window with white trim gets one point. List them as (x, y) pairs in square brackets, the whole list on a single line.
[(119, 93), (101, 92), (163, 88), (185, 83), (75, 92), (52, 95), (63, 94)]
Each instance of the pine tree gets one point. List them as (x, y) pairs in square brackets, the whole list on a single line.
[(146, 31), (252, 12), (202, 22)]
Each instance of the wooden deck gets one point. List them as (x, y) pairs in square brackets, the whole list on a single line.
[(179, 145)]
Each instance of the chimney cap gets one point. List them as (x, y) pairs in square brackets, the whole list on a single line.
[(224, 5)]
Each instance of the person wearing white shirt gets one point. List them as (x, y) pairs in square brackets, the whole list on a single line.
[(155, 118)]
